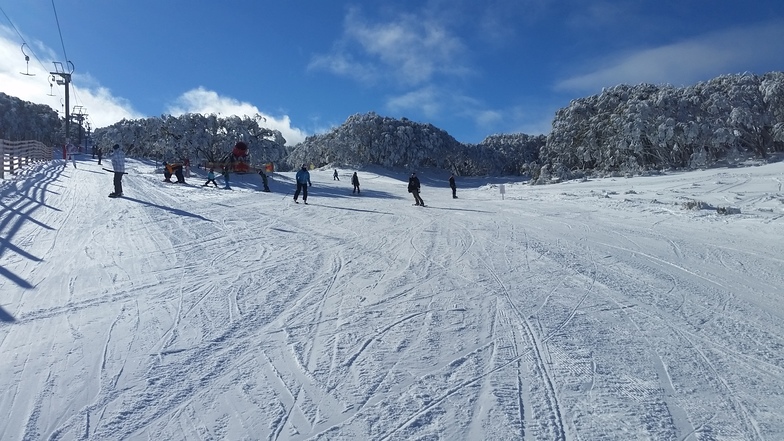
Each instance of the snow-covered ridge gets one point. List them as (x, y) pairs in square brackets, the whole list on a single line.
[(625, 130)]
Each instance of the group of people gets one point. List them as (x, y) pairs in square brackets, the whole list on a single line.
[(414, 187), (302, 179), (354, 180), (175, 169), (211, 178), (97, 151)]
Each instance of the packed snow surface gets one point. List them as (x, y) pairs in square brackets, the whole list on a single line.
[(610, 309)]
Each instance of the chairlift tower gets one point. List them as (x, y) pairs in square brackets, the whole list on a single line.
[(79, 114), (65, 79)]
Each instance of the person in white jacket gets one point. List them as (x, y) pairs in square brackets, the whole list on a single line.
[(118, 165)]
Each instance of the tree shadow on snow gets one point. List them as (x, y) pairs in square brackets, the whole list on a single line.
[(6, 317), (360, 210), (438, 178), (22, 198), (341, 193), (176, 211), (459, 209)]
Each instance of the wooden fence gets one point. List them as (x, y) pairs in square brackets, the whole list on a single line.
[(17, 154)]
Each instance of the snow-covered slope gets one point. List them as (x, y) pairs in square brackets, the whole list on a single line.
[(606, 309)]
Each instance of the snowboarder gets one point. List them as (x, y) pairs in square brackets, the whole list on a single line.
[(211, 178), (335, 176), (453, 186), (413, 188), (355, 183), (303, 182), (118, 166)]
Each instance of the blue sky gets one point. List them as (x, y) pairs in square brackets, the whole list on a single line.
[(472, 68)]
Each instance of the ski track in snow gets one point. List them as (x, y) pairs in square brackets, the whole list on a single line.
[(575, 311)]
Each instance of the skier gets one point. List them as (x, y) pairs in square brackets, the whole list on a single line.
[(118, 166), (211, 178), (303, 182), (335, 176), (225, 173), (453, 186), (264, 181), (413, 188), (70, 148), (355, 183)]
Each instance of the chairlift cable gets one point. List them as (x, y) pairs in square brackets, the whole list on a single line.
[(12, 23), (24, 42), (59, 30), (21, 37)]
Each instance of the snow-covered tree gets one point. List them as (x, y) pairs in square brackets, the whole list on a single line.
[(371, 139), (23, 120), (634, 129), (623, 130), (194, 136)]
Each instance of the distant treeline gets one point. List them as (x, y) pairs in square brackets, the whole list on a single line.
[(625, 129)]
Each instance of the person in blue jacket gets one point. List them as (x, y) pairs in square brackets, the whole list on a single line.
[(303, 182), (211, 178)]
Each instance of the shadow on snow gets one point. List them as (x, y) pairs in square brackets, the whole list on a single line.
[(25, 197), (176, 211)]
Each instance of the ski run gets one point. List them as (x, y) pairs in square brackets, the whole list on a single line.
[(644, 308)]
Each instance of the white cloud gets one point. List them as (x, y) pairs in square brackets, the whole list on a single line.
[(102, 107), (431, 102), (689, 61), (341, 64), (98, 102), (205, 101), (425, 100), (488, 117), (411, 49)]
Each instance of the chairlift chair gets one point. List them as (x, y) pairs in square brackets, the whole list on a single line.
[(27, 60)]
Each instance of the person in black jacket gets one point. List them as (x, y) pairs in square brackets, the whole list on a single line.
[(453, 186), (413, 188), (355, 183)]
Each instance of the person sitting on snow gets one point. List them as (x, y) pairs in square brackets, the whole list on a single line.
[(167, 172)]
